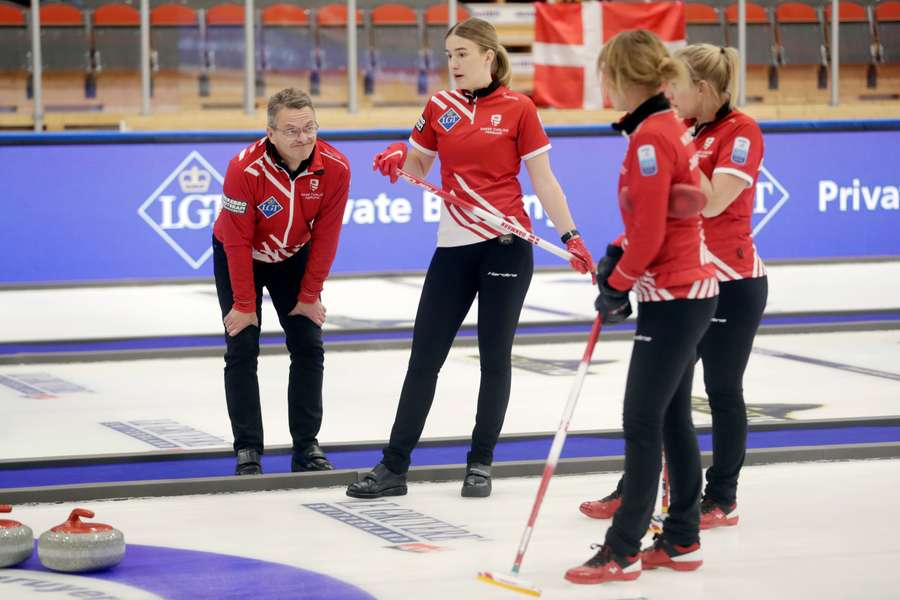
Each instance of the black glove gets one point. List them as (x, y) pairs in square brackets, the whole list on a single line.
[(607, 264), (612, 304)]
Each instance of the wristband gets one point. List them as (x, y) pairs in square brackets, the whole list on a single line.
[(569, 235)]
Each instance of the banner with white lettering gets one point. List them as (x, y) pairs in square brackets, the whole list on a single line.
[(145, 211)]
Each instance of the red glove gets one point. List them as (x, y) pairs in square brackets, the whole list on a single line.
[(582, 262), (390, 160)]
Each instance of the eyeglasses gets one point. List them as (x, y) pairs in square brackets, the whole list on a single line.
[(294, 134)]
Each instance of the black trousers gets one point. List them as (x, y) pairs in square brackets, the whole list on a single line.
[(499, 272), (304, 342), (725, 350), (657, 412)]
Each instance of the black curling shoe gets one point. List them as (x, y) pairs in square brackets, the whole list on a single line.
[(248, 462), (477, 483), (377, 483), (311, 458)]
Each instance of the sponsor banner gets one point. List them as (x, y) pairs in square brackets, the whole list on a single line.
[(165, 434), (145, 211), (40, 385)]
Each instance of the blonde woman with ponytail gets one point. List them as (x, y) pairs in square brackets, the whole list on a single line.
[(731, 150), (482, 132), (659, 258)]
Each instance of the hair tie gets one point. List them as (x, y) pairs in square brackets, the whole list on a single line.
[(721, 50)]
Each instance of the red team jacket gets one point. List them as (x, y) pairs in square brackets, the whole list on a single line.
[(732, 144), (481, 142), (664, 258), (266, 216)]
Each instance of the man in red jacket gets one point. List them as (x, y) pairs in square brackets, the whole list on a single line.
[(282, 210)]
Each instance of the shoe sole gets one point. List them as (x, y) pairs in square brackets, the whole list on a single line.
[(475, 492), (677, 566), (588, 581), (723, 523), (304, 469), (394, 491)]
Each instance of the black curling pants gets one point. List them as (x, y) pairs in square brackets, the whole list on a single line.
[(304, 342), (499, 274), (725, 351), (657, 412)]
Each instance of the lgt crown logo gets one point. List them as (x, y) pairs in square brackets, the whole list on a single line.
[(184, 207), (194, 180)]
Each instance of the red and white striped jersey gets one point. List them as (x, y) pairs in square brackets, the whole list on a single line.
[(480, 141), (664, 258), (268, 216), (732, 144)]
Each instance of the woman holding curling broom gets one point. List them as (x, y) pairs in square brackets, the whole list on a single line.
[(482, 132), (661, 259)]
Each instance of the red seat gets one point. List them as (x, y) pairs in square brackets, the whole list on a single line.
[(285, 15), (333, 15), (850, 13), (225, 14), (700, 14), (439, 14), (393, 14), (11, 16), (117, 15), (173, 15), (888, 11), (61, 15), (755, 13), (794, 12)]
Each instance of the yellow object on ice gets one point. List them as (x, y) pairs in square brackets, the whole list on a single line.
[(510, 583)]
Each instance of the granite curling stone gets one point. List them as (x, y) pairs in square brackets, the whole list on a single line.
[(76, 547), (16, 540)]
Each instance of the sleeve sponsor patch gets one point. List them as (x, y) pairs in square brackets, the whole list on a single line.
[(420, 124), (236, 206), (647, 160), (740, 151)]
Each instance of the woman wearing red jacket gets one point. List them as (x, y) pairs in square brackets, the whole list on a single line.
[(482, 132), (730, 147), (662, 260)]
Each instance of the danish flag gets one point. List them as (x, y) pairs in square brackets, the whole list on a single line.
[(568, 39)]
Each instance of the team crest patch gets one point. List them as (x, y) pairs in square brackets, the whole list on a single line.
[(449, 119), (495, 120), (740, 151), (270, 207), (709, 142), (420, 124), (313, 185), (647, 160)]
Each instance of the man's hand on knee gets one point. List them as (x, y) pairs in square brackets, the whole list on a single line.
[(236, 321), (314, 311)]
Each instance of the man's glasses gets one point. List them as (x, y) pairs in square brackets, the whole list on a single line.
[(294, 134)]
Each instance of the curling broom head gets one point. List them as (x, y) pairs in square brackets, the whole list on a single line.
[(509, 582)]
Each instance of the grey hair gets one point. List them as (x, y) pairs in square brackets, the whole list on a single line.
[(292, 98)]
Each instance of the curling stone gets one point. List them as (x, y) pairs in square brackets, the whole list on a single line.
[(16, 540), (74, 547)]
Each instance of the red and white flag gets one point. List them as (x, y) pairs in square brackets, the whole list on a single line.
[(568, 39)]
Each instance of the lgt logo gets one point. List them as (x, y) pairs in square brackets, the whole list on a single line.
[(184, 207), (770, 197)]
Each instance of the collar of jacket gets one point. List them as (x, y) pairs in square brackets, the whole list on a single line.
[(652, 105), (311, 163), (723, 112), (481, 92)]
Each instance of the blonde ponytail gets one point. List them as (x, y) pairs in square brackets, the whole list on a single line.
[(715, 65), (637, 58)]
